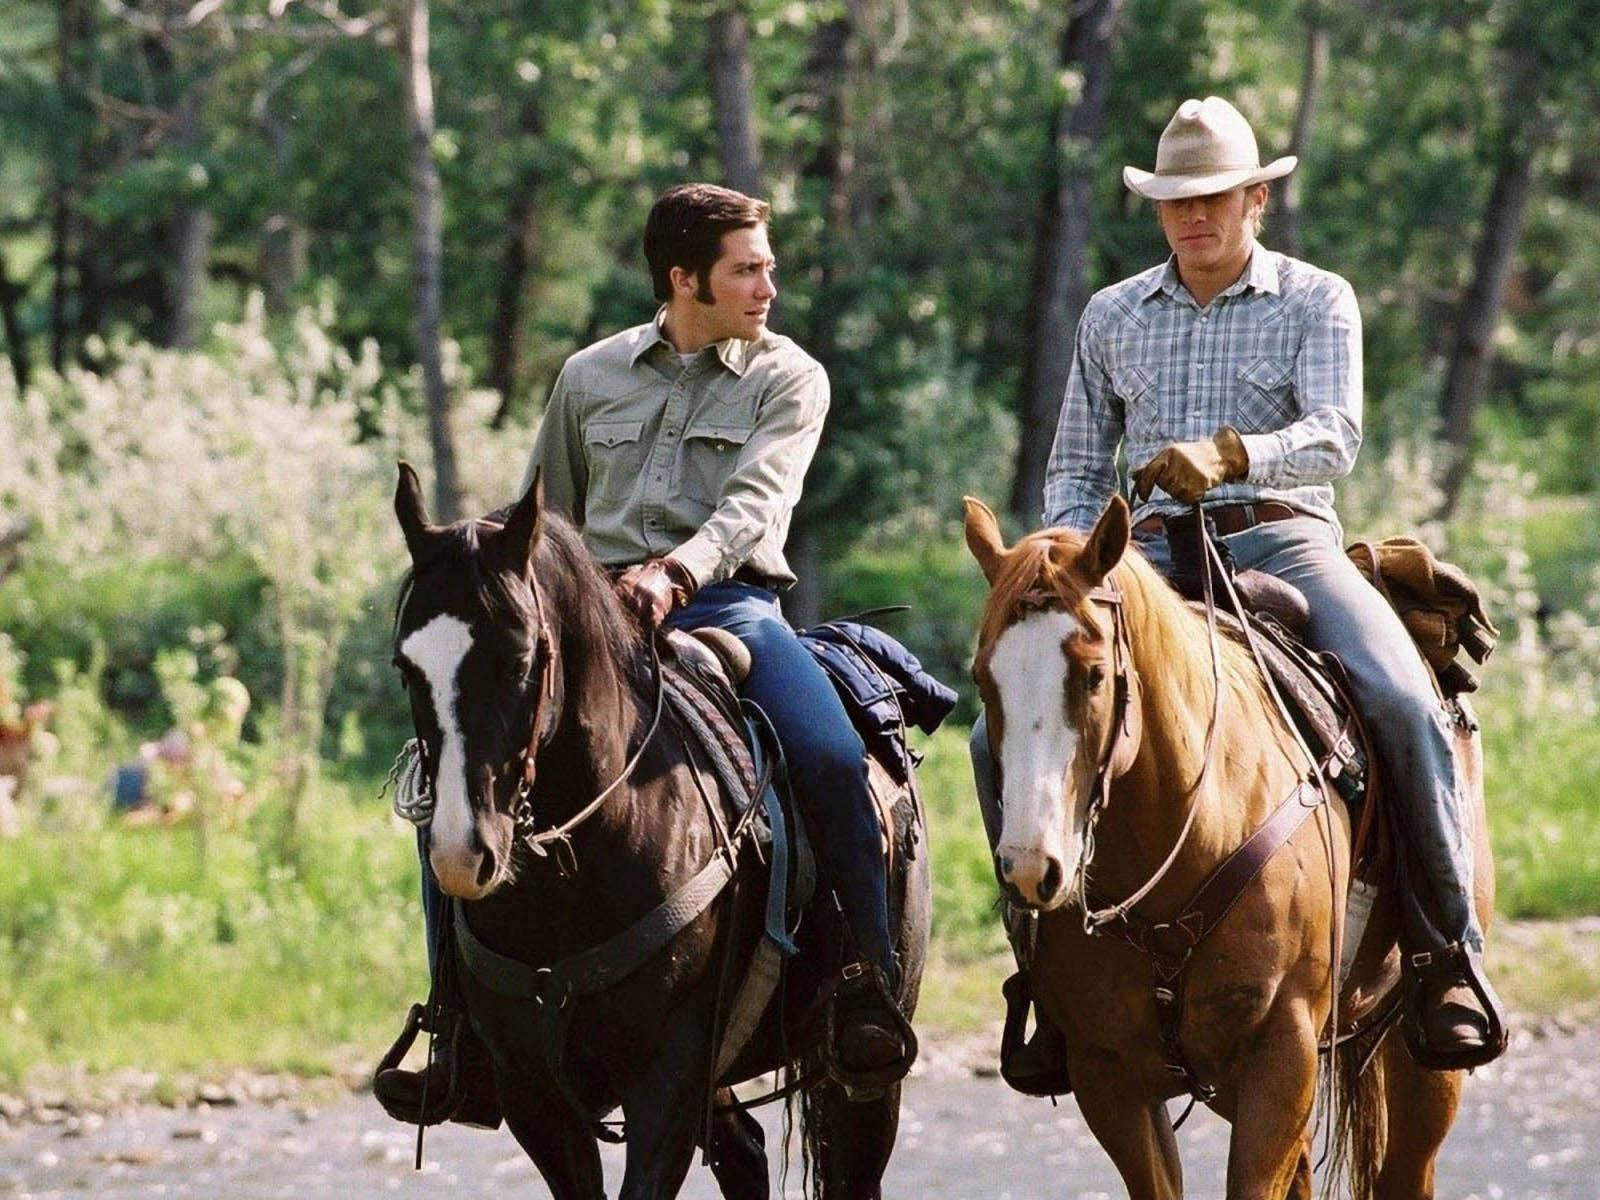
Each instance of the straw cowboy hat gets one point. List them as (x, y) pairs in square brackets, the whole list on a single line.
[(1207, 147)]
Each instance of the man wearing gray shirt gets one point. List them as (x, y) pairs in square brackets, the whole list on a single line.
[(1231, 373), (679, 448)]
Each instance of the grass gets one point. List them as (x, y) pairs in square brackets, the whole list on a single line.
[(128, 947)]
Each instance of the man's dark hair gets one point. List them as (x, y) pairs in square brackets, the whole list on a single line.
[(685, 229)]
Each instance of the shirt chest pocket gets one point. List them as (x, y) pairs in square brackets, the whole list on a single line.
[(615, 458), (1135, 386), (711, 450), (1266, 395)]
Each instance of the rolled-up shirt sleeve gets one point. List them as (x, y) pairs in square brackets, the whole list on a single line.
[(1082, 472), (558, 453), (1321, 444), (764, 486)]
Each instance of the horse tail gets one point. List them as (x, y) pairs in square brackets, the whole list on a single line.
[(1360, 1121)]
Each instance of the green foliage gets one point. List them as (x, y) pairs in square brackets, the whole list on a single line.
[(122, 947)]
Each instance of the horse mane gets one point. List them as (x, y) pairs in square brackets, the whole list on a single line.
[(1037, 574)]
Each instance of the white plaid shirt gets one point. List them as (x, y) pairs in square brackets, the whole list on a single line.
[(1277, 355)]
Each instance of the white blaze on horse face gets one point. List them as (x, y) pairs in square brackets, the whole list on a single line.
[(438, 650), (1036, 753)]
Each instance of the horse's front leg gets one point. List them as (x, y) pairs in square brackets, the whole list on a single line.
[(1269, 1151), (1132, 1127), (665, 1104)]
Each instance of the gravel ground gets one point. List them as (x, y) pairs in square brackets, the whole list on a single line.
[(1529, 1130)]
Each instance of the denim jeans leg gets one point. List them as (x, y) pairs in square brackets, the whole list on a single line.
[(1411, 732), (824, 753)]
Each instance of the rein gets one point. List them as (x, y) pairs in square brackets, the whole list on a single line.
[(1094, 920)]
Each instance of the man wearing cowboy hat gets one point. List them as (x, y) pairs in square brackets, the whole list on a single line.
[(1231, 373)]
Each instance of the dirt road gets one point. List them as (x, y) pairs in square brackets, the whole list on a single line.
[(1529, 1130)]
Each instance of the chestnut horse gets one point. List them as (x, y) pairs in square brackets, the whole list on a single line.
[(1079, 628), (537, 701)]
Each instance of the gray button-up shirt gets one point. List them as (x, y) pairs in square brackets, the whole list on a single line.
[(1277, 355), (702, 461)]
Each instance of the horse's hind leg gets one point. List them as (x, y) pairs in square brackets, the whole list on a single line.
[(1422, 1106), (851, 1140), (738, 1153)]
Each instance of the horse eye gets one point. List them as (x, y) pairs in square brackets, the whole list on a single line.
[(1096, 677)]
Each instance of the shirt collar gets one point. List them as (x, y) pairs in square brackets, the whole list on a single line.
[(734, 352), (1260, 273)]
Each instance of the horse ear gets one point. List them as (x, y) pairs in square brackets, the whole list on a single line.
[(413, 513), (983, 536), (525, 524), (1107, 541)]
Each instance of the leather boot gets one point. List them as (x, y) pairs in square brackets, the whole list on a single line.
[(1456, 1021), (456, 1085), (870, 1043)]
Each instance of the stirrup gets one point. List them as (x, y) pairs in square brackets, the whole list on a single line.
[(1052, 1079), (1454, 960), (405, 1095), (861, 979)]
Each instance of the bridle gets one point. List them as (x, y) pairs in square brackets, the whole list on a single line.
[(541, 727), (1120, 747)]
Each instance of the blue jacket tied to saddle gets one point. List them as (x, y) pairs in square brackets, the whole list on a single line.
[(883, 686)]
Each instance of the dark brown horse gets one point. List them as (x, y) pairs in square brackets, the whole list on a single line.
[(532, 690), (1093, 669)]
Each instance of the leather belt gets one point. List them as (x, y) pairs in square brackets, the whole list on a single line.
[(1228, 518), (756, 579)]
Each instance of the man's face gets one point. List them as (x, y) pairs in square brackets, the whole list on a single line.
[(740, 286), (1211, 234)]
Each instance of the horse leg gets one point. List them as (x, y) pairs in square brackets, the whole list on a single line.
[(564, 1152), (1268, 1155), (1422, 1106), (852, 1139), (1136, 1133), (737, 1151), (664, 1105)]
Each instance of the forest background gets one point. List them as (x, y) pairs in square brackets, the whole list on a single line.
[(254, 251)]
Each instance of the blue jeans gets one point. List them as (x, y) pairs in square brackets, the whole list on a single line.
[(1393, 691), (825, 756)]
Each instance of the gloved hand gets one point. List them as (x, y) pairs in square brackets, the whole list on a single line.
[(654, 588), (1186, 471)]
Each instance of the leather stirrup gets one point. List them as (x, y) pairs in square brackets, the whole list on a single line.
[(1052, 1079), (1423, 971)]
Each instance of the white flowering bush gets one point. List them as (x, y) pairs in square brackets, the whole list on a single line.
[(284, 454)]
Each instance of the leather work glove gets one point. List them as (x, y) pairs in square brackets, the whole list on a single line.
[(654, 588), (1186, 471)]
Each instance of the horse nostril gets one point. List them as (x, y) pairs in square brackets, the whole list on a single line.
[(486, 868), (1050, 880)]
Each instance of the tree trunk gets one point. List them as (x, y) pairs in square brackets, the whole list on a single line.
[(16, 343), (834, 71), (1467, 379), (1059, 287), (427, 250), (71, 32), (1312, 71), (1472, 354), (283, 239), (517, 261), (733, 95), (192, 227)]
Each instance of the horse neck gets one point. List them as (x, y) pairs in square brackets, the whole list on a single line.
[(1178, 686), (602, 705)]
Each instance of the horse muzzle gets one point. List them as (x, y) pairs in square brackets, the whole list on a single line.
[(472, 867), (1030, 877)]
